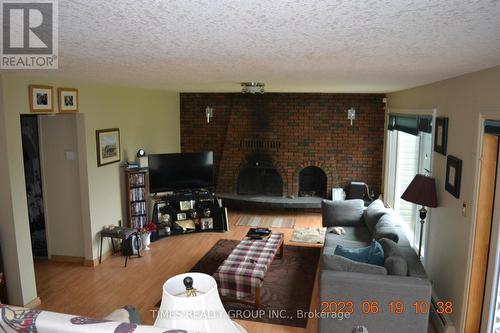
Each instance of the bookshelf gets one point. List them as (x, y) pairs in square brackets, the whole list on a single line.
[(136, 194)]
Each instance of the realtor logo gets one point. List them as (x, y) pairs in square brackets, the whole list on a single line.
[(29, 34)]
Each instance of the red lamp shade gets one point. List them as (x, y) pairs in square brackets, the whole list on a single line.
[(421, 191)]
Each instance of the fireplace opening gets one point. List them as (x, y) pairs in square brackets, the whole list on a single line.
[(260, 177), (312, 182)]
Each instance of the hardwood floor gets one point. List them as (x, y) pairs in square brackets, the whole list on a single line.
[(97, 291)]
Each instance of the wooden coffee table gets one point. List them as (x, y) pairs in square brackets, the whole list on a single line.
[(241, 276)]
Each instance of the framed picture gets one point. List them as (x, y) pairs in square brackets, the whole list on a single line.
[(453, 175), (181, 216), (40, 98), (207, 223), (186, 205), (163, 215), (108, 146), (68, 99), (441, 136)]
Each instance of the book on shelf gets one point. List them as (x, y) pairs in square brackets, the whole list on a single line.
[(139, 221), (137, 194), (137, 179), (138, 208)]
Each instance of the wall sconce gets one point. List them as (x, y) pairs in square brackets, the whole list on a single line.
[(351, 114), (209, 112)]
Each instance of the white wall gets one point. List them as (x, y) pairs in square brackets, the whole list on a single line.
[(61, 185), (462, 100), (146, 118), (14, 229)]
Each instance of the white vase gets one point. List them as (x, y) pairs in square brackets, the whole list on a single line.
[(146, 240)]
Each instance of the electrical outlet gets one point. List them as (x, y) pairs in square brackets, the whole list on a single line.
[(464, 209)]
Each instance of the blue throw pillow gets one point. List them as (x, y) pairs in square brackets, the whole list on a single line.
[(373, 254)]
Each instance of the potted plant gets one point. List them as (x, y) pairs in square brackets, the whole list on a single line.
[(146, 234)]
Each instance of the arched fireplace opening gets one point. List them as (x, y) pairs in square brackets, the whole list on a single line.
[(260, 177), (312, 182)]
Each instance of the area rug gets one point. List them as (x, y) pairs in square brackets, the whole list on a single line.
[(263, 221), (309, 235), (288, 284)]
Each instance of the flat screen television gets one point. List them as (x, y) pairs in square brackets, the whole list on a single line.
[(173, 172)]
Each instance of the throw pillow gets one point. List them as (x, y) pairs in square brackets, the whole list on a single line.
[(396, 265), (373, 254), (390, 247), (342, 212), (373, 213), (339, 263)]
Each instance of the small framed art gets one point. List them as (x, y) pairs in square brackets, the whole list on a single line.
[(68, 99), (441, 136), (453, 175), (40, 98), (108, 146), (186, 205), (207, 223)]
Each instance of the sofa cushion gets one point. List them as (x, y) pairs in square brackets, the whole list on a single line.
[(342, 212), (338, 263), (373, 213), (385, 229), (353, 237), (373, 254)]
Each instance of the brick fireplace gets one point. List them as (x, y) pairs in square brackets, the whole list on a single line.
[(286, 144)]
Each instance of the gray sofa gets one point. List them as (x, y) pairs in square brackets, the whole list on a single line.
[(372, 290)]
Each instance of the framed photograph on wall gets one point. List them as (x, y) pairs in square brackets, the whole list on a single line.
[(68, 99), (108, 146), (41, 98), (453, 175), (441, 135)]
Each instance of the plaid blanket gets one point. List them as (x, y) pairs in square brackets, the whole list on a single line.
[(244, 269)]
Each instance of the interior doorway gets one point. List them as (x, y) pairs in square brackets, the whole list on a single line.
[(34, 191), (52, 155)]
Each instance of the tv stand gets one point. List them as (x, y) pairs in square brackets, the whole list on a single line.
[(188, 211)]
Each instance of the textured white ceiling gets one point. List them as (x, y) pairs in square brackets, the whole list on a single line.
[(336, 46)]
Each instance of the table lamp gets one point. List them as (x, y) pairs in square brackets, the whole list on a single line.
[(421, 191), (191, 302)]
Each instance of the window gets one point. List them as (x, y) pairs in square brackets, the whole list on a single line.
[(407, 155)]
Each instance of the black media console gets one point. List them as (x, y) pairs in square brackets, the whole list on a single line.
[(184, 212)]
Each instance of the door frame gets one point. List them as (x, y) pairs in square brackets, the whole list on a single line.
[(492, 114), (491, 283)]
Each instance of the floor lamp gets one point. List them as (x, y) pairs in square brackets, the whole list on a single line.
[(421, 191)]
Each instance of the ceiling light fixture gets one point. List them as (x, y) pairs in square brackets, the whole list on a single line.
[(252, 87)]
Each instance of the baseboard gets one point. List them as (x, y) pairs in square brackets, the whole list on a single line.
[(34, 303), (70, 259), (81, 260), (94, 262)]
